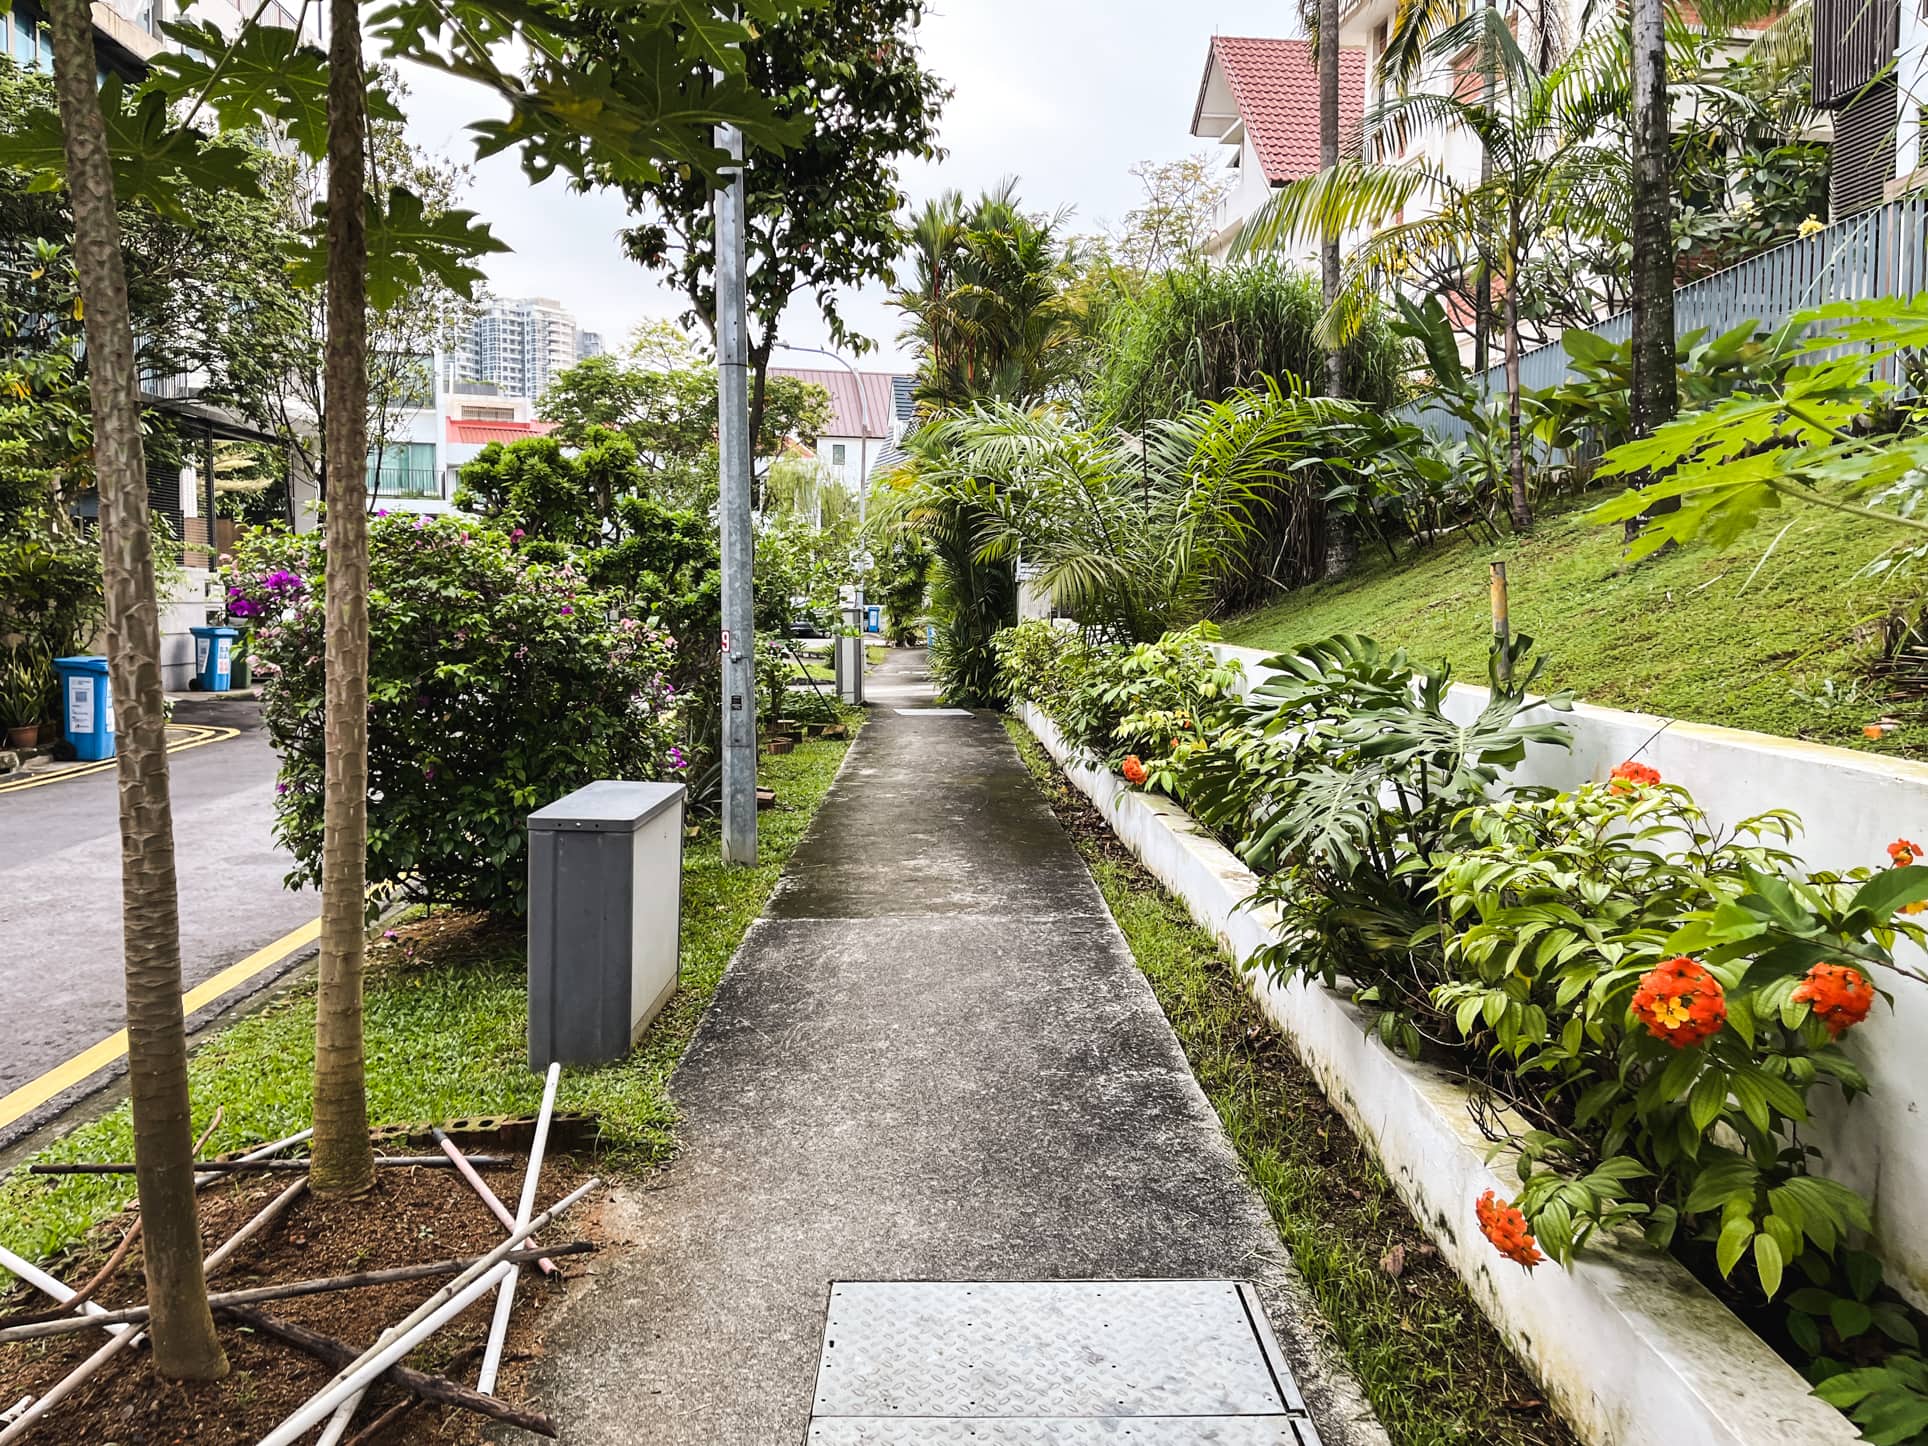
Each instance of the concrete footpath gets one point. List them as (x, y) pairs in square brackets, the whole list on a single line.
[(932, 1059)]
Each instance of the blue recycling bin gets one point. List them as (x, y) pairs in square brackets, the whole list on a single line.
[(214, 657), (87, 707), (930, 635), (874, 618)]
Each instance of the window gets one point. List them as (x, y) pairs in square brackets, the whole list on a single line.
[(471, 413), (405, 470), (839, 454), (26, 37)]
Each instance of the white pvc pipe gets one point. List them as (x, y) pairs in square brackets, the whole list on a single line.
[(531, 1178), (126, 1335), (427, 1318), (41, 1281)]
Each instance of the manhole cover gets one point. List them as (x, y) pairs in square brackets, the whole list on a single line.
[(1152, 1362)]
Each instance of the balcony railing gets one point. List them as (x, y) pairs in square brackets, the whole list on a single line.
[(1883, 252), (406, 484)]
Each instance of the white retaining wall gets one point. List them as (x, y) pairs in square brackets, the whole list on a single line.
[(1853, 805), (1627, 1344)]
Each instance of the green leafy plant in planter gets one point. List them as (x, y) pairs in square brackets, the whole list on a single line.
[(26, 692), (1367, 780), (1660, 1001)]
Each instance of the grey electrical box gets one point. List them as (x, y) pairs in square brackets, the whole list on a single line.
[(605, 918), (850, 646)]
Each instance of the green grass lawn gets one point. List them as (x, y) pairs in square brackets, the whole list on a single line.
[(1696, 634), (447, 1032), (1434, 1369)]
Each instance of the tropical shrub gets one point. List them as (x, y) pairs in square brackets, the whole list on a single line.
[(1201, 332), (1648, 1007), (497, 685)]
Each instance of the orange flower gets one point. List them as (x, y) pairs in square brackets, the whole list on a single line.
[(1506, 1228), (1680, 1002), (1903, 853), (1873, 730), (1134, 770), (1630, 775), (1839, 995)]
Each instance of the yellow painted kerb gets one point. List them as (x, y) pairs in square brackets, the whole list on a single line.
[(181, 737), (35, 1093)]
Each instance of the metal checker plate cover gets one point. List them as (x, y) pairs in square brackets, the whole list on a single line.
[(1062, 1431), (1092, 1349), (934, 713)]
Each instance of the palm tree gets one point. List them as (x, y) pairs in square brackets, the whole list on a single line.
[(344, 1160), (1555, 171), (987, 304), (989, 309), (185, 1344), (1655, 389), (1134, 535)]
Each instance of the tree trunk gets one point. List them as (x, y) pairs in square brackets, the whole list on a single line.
[(344, 1158), (1483, 296), (185, 1345), (1655, 386), (1521, 508), (1329, 162)]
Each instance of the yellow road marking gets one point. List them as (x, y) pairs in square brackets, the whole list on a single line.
[(198, 736), (63, 1077)]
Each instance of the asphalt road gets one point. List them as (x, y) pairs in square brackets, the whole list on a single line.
[(60, 903)]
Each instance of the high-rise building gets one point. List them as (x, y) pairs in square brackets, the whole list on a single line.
[(522, 344)]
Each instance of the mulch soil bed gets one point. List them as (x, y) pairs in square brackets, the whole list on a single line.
[(412, 1216)]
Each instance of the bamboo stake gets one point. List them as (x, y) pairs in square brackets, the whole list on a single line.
[(489, 1197), (531, 1179), (43, 1327), (125, 1336), (1502, 626), (423, 1322)]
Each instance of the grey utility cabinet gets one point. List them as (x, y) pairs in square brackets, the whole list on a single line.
[(605, 918)]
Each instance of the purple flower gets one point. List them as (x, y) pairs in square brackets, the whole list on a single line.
[(676, 758), (517, 535), (281, 788), (567, 611), (429, 774)]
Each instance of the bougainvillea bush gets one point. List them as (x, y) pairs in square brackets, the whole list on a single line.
[(1647, 1007), (497, 685)]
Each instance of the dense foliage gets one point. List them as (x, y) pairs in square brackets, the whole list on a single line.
[(1649, 1008), (1200, 332), (498, 684)]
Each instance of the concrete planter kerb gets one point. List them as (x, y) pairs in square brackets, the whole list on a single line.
[(1628, 1345)]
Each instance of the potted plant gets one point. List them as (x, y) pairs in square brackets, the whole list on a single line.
[(21, 701)]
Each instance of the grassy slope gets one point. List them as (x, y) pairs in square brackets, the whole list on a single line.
[(1686, 635), (1435, 1371), (447, 1034)]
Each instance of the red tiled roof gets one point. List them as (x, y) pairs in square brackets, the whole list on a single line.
[(480, 434), (1276, 86), (847, 414)]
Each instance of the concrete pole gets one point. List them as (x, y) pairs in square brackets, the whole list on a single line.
[(733, 448)]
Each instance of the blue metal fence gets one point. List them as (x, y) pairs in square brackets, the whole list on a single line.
[(1883, 252)]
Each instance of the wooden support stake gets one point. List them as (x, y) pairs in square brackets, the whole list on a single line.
[(1502, 627), (331, 1352)]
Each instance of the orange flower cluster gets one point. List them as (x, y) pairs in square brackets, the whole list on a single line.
[(1134, 770), (1630, 775), (1506, 1228), (1839, 996), (1903, 853), (1680, 1002)]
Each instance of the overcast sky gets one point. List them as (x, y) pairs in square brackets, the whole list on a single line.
[(1067, 95)]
